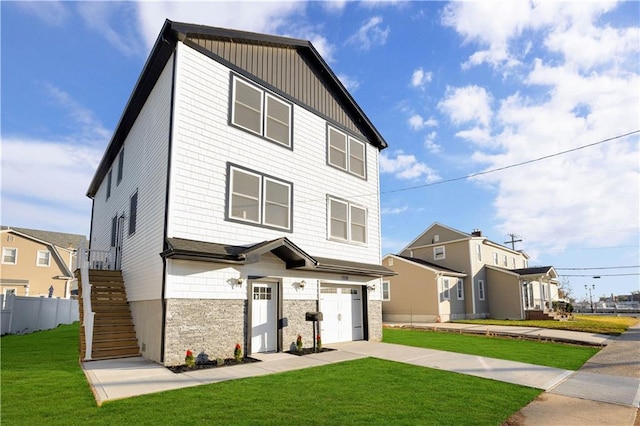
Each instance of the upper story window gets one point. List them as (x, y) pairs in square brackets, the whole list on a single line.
[(120, 166), (347, 222), (346, 153), (460, 289), (109, 178), (43, 258), (478, 252), (524, 263), (505, 262), (9, 255), (258, 199), (390, 261), (436, 238), (495, 258), (260, 112), (438, 253), (513, 263), (386, 290)]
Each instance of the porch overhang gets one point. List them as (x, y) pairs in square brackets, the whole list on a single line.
[(292, 256)]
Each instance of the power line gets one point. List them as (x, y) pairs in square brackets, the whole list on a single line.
[(600, 267), (601, 275), (408, 188)]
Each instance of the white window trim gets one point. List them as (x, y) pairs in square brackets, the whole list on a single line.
[(388, 284), (261, 199), (15, 262), (347, 153), (496, 260), (444, 256), (264, 96), (481, 294), (349, 205), (479, 252), (48, 257), (446, 289), (505, 260), (460, 289)]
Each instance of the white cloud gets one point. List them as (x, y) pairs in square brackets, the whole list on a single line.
[(430, 144), (393, 210), (407, 167), (350, 83), (52, 13), (467, 104), (370, 34), (416, 122), (116, 22), (420, 78)]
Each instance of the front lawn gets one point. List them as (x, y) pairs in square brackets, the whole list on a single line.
[(42, 383), (586, 323), (558, 355)]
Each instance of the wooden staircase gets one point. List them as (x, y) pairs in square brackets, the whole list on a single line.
[(114, 335)]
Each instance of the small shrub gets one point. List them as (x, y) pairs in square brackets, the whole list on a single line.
[(299, 343), (237, 353), (189, 359)]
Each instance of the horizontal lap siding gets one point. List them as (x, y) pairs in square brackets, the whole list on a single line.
[(145, 168), (204, 143)]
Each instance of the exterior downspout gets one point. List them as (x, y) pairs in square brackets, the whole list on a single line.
[(521, 289)]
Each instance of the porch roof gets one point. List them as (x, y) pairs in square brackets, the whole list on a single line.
[(293, 256)]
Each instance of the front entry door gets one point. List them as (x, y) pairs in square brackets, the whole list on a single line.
[(264, 312)]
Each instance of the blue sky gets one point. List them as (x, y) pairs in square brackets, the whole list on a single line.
[(455, 88)]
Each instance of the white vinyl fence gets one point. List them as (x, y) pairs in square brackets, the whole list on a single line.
[(21, 315)]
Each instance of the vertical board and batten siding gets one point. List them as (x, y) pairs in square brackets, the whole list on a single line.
[(286, 70), (145, 169), (203, 144)]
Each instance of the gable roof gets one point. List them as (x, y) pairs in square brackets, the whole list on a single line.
[(283, 248), (202, 38), (429, 265), (58, 239), (528, 272), (429, 228)]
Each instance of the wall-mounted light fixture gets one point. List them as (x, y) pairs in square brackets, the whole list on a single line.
[(371, 287), (239, 281), (301, 284)]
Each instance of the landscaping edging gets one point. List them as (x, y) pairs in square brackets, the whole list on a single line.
[(228, 362)]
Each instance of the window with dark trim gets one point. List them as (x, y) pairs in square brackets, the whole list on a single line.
[(133, 213), (481, 289), (258, 199), (109, 178), (460, 289), (346, 152), (347, 222), (114, 228), (120, 166), (260, 112)]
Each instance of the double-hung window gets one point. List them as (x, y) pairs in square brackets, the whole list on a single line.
[(460, 289), (43, 258), (481, 289), (438, 253), (495, 258), (445, 289), (346, 153), (347, 222), (386, 291), (9, 255), (259, 199), (260, 112)]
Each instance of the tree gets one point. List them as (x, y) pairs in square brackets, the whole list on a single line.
[(565, 289)]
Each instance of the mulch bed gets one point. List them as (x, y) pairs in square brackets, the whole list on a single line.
[(211, 364), (309, 351)]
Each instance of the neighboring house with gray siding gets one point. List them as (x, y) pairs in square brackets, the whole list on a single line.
[(231, 198), (481, 279)]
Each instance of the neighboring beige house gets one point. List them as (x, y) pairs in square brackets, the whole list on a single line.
[(464, 276), (37, 263)]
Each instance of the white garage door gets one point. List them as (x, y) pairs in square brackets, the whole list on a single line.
[(341, 309)]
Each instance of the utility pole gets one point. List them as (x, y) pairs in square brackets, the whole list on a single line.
[(513, 241)]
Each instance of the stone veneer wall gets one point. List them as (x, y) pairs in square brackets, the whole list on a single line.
[(294, 311), (375, 320), (203, 325)]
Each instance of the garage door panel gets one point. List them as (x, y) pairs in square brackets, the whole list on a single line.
[(342, 311)]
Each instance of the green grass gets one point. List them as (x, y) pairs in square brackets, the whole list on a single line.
[(585, 323), (42, 383), (568, 357)]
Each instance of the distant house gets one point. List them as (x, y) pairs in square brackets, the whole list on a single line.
[(37, 263), (445, 274), (240, 191)]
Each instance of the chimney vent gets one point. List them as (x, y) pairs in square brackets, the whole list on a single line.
[(477, 233)]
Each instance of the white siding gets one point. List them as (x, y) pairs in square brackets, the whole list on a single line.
[(145, 170), (204, 143)]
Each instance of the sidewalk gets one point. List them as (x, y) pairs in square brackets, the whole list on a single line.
[(605, 391)]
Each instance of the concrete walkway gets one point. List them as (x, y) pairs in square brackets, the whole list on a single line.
[(606, 391)]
